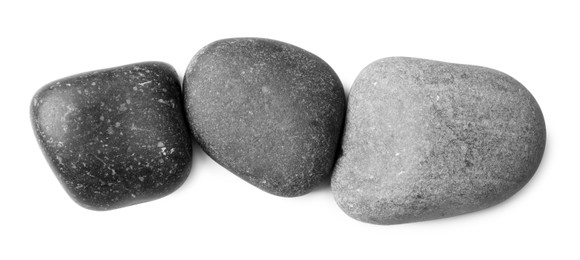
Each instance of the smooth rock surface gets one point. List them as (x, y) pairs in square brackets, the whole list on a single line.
[(427, 139), (269, 112), (115, 137)]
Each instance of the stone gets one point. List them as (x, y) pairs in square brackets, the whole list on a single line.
[(115, 137), (427, 139), (268, 111)]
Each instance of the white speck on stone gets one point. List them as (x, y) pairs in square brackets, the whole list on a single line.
[(374, 83), (437, 97), (135, 88), (133, 195), (265, 90), (94, 83), (59, 159), (401, 172), (160, 144), (117, 124), (141, 178), (128, 101), (102, 118), (123, 107), (397, 154), (110, 130)]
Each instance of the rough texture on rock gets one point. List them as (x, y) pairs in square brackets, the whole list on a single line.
[(115, 137), (427, 139), (269, 112)]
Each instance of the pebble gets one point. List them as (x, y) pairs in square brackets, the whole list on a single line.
[(427, 139), (115, 137), (268, 111)]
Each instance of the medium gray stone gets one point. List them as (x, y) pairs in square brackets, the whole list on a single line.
[(268, 111), (115, 137), (427, 139)]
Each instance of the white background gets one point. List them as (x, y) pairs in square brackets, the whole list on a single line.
[(217, 215)]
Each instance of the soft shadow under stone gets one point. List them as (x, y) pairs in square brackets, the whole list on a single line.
[(268, 111), (115, 137), (426, 139)]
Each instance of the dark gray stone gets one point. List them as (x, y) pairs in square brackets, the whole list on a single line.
[(115, 137), (268, 111), (427, 139)]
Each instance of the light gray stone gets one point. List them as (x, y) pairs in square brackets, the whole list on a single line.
[(427, 139)]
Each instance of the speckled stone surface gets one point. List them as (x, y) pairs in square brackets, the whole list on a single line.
[(115, 137), (427, 139), (268, 111)]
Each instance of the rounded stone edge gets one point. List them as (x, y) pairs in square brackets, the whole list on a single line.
[(186, 170), (204, 146), (542, 140)]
